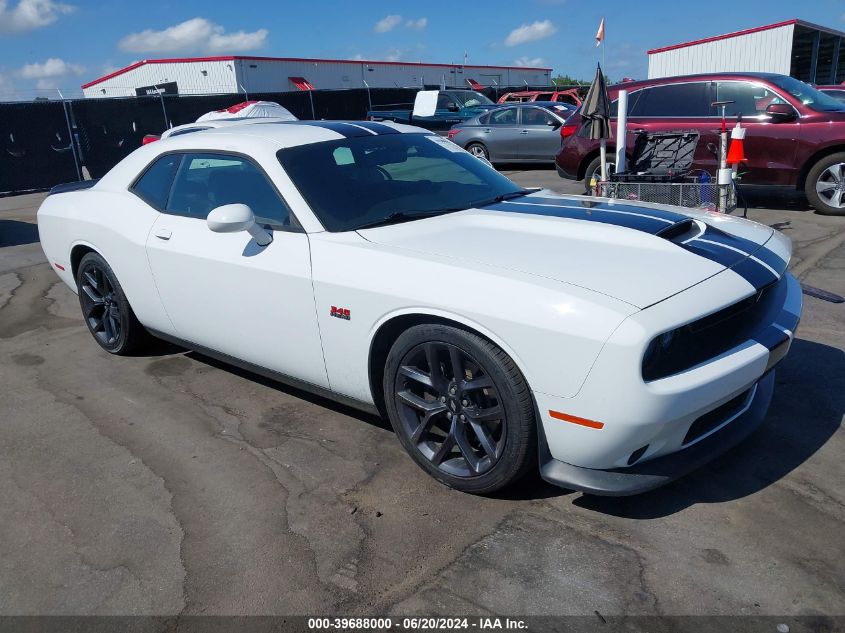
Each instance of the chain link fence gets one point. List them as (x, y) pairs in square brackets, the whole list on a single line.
[(692, 194)]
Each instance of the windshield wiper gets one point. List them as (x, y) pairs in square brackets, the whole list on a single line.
[(406, 216), (503, 197)]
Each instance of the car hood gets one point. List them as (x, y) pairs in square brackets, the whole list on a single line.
[(635, 252)]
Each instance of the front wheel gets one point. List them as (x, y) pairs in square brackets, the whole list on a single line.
[(825, 185), (461, 408), (106, 310)]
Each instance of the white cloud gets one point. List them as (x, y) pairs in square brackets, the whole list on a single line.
[(28, 15), (529, 61), (53, 67), (195, 35), (418, 24), (8, 92), (393, 55), (387, 23), (531, 33)]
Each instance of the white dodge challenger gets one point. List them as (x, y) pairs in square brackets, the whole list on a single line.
[(614, 345)]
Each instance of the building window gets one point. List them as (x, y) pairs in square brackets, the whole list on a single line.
[(825, 60), (803, 49), (840, 67)]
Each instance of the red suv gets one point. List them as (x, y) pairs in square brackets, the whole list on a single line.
[(795, 135)]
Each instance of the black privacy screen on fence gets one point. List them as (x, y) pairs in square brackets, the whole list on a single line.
[(35, 148), (36, 152)]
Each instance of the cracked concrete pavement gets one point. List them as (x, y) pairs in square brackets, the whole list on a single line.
[(172, 484)]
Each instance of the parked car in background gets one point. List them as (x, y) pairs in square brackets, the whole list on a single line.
[(515, 133), (238, 114), (453, 106), (570, 95), (837, 92), (795, 136)]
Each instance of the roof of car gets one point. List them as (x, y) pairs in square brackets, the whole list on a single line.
[(535, 104), (293, 133), (627, 85)]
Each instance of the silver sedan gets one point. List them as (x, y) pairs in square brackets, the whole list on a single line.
[(522, 132)]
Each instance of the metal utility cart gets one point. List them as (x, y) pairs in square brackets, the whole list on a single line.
[(661, 171)]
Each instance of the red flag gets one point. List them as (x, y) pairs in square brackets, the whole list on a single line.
[(600, 33)]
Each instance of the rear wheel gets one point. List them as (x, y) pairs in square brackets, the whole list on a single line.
[(107, 312), (825, 185), (478, 150), (460, 407), (592, 174)]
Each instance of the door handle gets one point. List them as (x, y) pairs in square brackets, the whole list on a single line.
[(486, 130), (524, 132), (163, 234), (640, 130)]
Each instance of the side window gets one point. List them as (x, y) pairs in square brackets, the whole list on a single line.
[(444, 102), (153, 187), (748, 99), (544, 96), (536, 116), (673, 100), (207, 181), (505, 116)]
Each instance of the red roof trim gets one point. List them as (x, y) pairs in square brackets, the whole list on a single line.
[(726, 36), (172, 60)]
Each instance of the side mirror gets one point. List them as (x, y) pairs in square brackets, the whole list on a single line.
[(233, 218), (453, 107), (780, 112), (553, 124)]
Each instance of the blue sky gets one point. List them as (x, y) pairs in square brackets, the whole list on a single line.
[(48, 44)]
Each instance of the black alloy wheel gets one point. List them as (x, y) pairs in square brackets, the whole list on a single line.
[(106, 311), (460, 407), (100, 307), (450, 409)]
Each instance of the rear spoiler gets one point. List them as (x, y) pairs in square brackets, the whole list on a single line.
[(74, 186)]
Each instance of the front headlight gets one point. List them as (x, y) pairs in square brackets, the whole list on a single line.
[(657, 349)]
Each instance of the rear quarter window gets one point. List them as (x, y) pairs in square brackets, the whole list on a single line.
[(153, 186)]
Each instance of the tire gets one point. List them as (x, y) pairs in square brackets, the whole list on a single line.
[(475, 432), (106, 311), (594, 167), (478, 149), (825, 185)]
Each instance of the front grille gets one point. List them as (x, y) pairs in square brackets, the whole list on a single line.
[(715, 334), (709, 421)]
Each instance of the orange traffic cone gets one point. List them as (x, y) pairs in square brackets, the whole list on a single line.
[(736, 150)]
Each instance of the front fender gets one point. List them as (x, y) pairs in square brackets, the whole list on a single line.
[(553, 331)]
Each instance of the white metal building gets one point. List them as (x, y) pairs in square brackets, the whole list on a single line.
[(236, 74), (806, 51)]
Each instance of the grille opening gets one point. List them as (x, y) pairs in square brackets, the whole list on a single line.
[(635, 456), (709, 421)]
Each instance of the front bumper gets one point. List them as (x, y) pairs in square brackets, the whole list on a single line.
[(660, 471)]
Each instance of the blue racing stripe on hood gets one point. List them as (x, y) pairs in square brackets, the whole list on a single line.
[(726, 249)]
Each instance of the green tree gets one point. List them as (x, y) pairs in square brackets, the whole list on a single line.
[(566, 80)]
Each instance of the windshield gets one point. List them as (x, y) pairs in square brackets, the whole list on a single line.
[(356, 182), (808, 95), (471, 98)]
